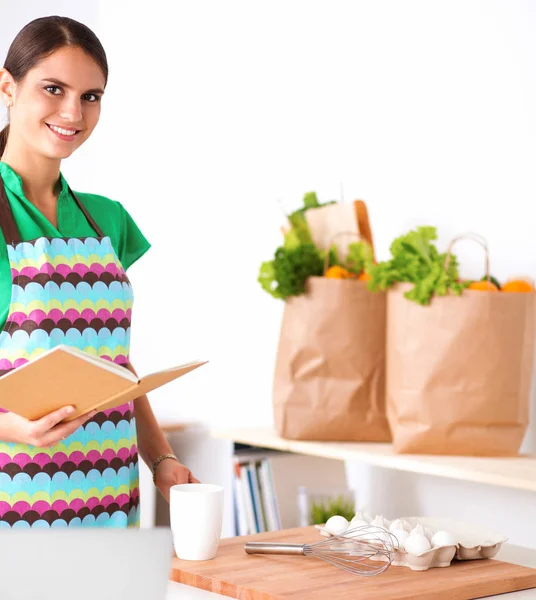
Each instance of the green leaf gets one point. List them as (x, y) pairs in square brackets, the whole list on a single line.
[(310, 200), (267, 278), (359, 255), (415, 259), (287, 274), (298, 258), (295, 237), (333, 256)]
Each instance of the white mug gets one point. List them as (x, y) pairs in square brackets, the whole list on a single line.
[(196, 516)]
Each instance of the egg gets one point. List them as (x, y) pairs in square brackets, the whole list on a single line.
[(419, 528), (417, 544), (380, 521), (362, 516), (355, 527), (358, 523), (443, 538), (366, 517), (407, 526), (398, 525), (336, 524), (401, 535)]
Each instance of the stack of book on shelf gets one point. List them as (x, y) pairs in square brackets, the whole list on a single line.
[(255, 502)]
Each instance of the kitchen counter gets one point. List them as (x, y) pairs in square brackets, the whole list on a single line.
[(509, 553)]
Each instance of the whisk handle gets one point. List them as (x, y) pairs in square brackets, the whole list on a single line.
[(273, 548)]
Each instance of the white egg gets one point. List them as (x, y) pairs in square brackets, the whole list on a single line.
[(419, 528), (336, 524), (358, 523), (407, 526), (401, 535), (362, 516), (443, 538), (417, 544), (380, 521), (398, 525)]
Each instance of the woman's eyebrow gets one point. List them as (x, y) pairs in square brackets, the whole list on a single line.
[(68, 87)]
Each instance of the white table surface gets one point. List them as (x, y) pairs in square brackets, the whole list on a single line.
[(508, 553)]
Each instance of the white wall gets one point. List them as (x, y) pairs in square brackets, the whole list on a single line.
[(216, 110)]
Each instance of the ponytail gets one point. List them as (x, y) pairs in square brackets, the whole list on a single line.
[(3, 139)]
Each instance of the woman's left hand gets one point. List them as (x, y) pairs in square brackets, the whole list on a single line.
[(171, 472)]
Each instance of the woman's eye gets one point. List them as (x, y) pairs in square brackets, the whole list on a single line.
[(92, 97), (55, 90)]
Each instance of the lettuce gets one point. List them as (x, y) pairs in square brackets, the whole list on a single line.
[(415, 259)]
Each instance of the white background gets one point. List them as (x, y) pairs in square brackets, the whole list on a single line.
[(217, 111)]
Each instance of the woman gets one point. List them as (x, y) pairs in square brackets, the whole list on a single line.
[(52, 291)]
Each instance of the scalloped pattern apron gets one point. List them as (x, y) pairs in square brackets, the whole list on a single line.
[(70, 291)]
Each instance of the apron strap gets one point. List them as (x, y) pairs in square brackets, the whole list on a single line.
[(7, 221), (87, 215)]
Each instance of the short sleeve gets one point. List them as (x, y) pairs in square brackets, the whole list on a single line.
[(132, 243)]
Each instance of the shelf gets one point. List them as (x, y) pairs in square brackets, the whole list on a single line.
[(170, 427), (516, 472)]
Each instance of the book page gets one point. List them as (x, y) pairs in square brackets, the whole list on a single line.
[(101, 362), (189, 366)]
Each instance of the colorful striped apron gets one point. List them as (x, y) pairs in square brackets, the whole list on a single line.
[(69, 291)]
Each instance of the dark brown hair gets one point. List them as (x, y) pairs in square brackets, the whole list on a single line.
[(40, 38)]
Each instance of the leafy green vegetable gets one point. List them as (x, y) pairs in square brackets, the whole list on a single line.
[(297, 259), (287, 273), (267, 278), (310, 200), (359, 255), (415, 259), (296, 237), (299, 228)]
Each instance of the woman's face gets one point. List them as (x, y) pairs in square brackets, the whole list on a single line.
[(57, 105)]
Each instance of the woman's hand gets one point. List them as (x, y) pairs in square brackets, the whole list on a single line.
[(171, 472), (43, 432)]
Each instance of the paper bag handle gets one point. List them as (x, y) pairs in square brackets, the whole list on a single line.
[(333, 238), (475, 237), (363, 223)]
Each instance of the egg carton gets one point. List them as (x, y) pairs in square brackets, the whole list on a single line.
[(472, 542)]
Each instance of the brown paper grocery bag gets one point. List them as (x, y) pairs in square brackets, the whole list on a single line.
[(459, 372), (339, 224), (329, 381)]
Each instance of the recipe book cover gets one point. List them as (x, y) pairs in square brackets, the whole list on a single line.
[(68, 376)]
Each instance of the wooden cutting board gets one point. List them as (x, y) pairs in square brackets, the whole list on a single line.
[(236, 574)]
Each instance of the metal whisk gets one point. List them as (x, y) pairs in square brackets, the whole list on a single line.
[(361, 551)]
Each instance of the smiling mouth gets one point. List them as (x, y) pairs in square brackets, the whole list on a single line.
[(62, 131)]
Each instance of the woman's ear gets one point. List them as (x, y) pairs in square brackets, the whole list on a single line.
[(7, 88)]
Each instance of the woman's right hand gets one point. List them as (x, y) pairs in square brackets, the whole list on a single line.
[(42, 433)]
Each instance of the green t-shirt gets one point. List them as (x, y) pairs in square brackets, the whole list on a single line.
[(115, 222)]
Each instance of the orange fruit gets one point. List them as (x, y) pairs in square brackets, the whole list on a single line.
[(364, 277), (483, 286), (517, 285), (337, 272)]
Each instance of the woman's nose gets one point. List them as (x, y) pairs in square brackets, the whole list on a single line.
[(71, 110)]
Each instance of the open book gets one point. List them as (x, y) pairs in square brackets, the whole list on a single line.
[(68, 376)]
